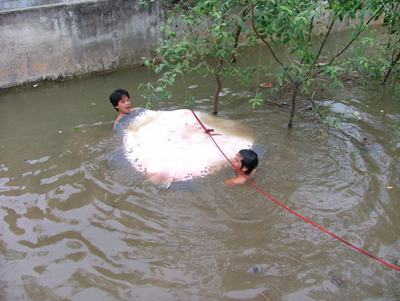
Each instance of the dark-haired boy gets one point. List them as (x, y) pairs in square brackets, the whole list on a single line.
[(121, 102), (246, 161)]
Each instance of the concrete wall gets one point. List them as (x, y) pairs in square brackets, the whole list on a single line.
[(15, 4), (67, 40)]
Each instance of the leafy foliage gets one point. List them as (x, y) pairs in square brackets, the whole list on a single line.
[(208, 36), (383, 62)]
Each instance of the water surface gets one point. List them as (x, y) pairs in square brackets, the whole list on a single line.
[(73, 229)]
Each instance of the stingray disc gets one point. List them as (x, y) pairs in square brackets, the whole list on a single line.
[(172, 145)]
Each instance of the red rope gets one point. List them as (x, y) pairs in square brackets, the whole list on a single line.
[(207, 131)]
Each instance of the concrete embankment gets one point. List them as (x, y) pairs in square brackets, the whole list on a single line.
[(59, 41)]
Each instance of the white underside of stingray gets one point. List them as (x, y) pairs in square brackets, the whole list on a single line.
[(173, 146)]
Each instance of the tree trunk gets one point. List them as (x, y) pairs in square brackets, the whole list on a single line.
[(218, 87), (394, 62), (293, 108), (235, 45), (237, 36)]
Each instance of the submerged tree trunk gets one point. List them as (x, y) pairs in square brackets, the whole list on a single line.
[(293, 107), (218, 87)]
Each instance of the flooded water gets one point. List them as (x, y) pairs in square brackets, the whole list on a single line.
[(73, 229)]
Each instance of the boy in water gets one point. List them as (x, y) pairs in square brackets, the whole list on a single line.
[(121, 102), (246, 161)]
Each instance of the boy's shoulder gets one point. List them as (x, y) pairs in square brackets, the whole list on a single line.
[(235, 181)]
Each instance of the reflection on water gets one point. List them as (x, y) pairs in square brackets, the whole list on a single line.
[(72, 229)]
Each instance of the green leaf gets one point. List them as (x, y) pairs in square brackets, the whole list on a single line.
[(284, 8)]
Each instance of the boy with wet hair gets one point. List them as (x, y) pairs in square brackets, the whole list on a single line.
[(246, 161), (116, 96), (121, 102)]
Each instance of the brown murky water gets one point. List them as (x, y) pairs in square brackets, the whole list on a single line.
[(72, 229)]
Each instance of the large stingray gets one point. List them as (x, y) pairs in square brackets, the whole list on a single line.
[(172, 146)]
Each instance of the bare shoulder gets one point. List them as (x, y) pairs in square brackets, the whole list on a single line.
[(238, 180), (235, 181), (116, 120)]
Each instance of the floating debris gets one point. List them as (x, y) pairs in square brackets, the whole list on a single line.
[(93, 103), (338, 281), (389, 187), (35, 85), (193, 86), (266, 85), (264, 294), (367, 142), (356, 114)]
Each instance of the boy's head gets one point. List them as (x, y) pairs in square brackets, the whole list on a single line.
[(249, 160), (117, 95)]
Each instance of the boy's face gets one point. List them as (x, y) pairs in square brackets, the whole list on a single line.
[(124, 105), (237, 161)]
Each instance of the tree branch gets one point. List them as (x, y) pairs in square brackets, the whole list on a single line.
[(259, 36), (323, 42), (354, 39)]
